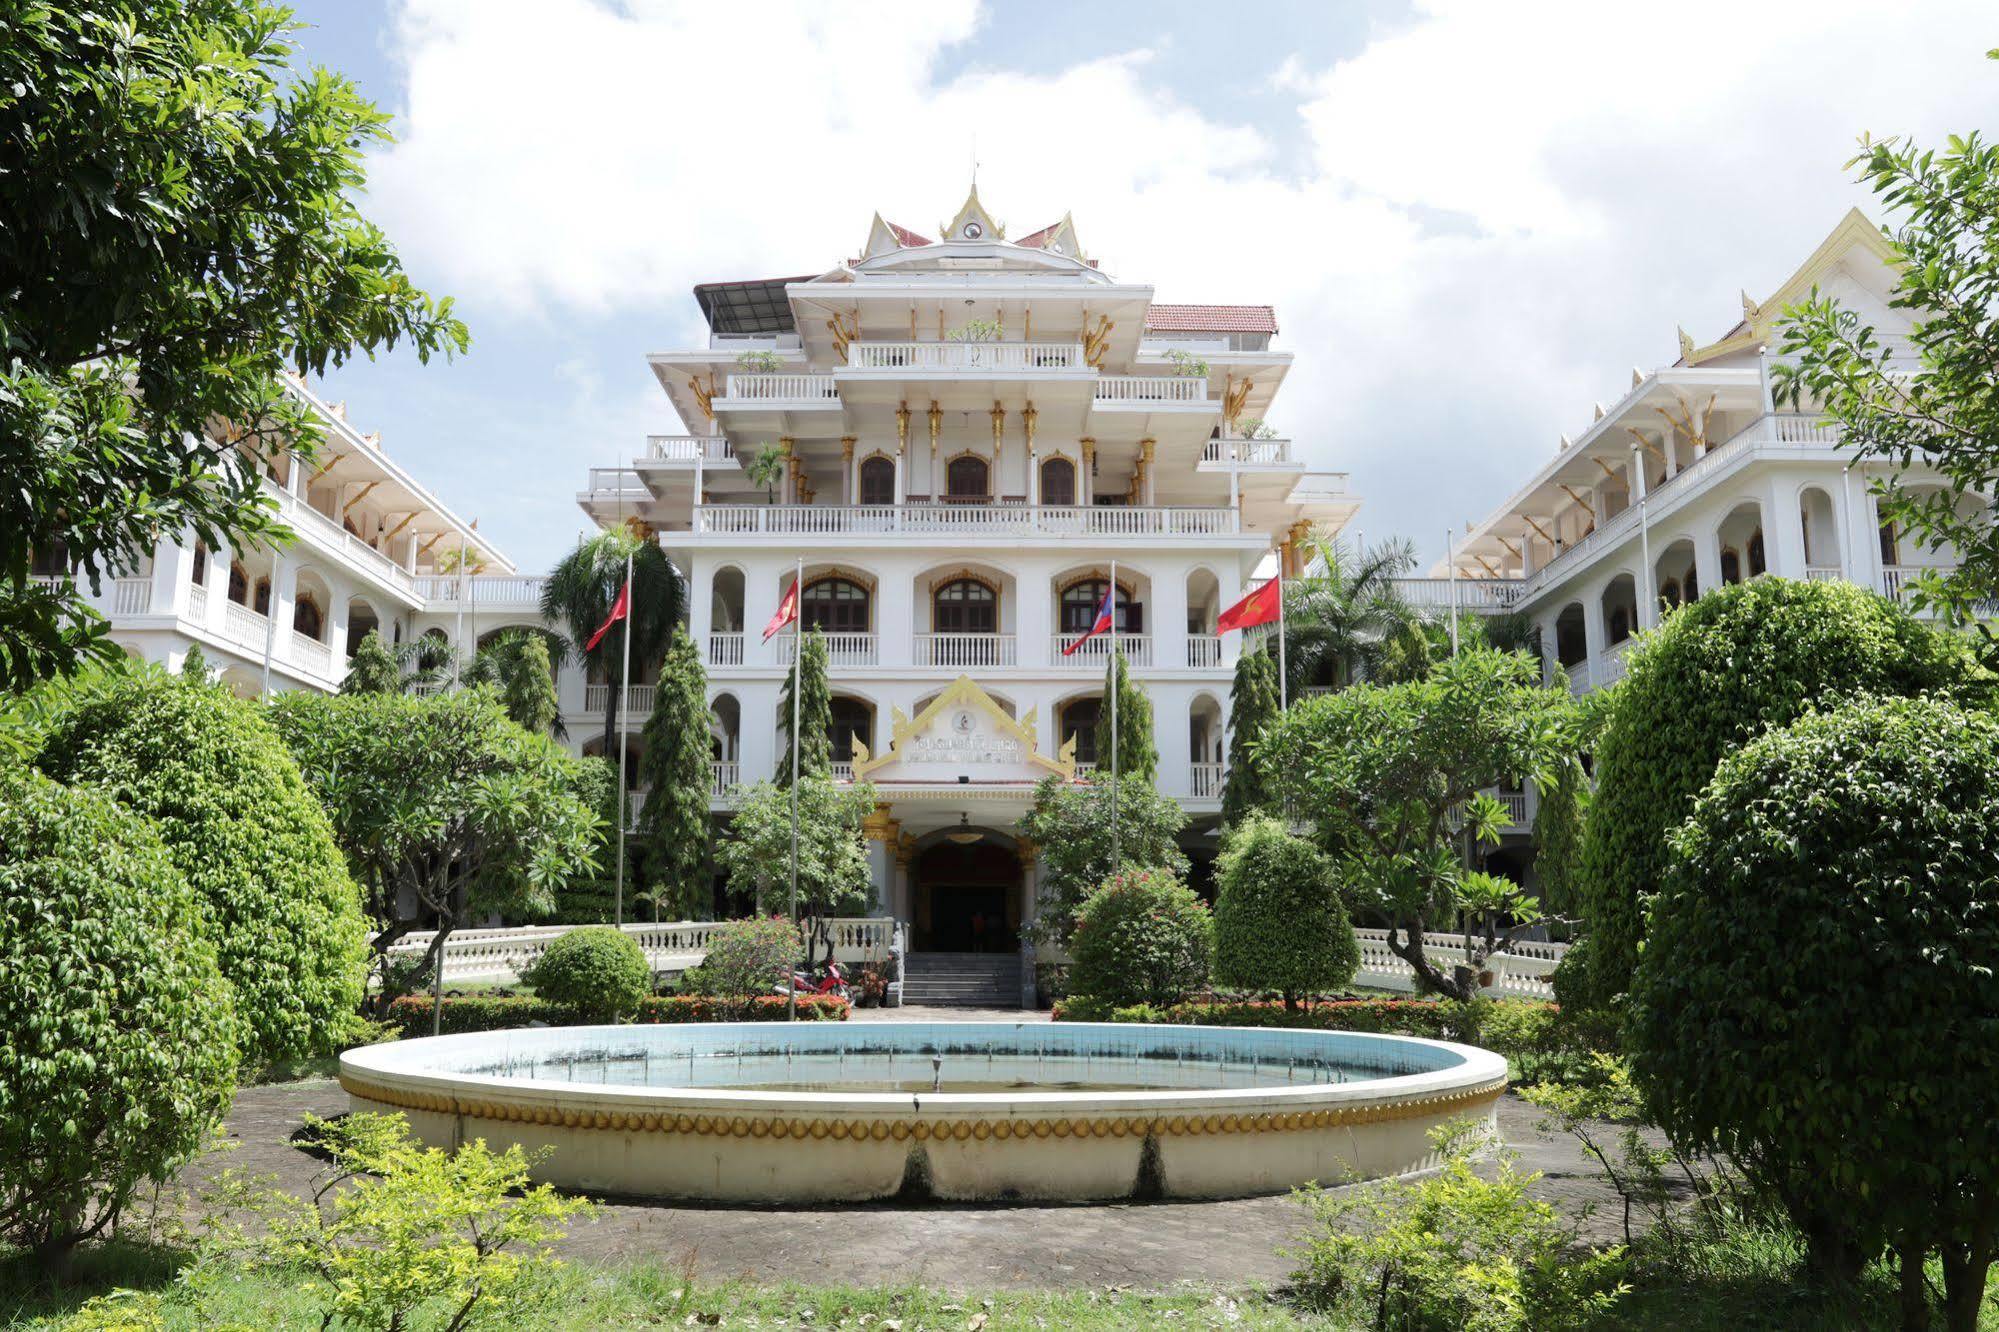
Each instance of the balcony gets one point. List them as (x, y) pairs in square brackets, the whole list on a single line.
[(1095, 654), (791, 520), (1147, 392), (1248, 452), (725, 649), (1204, 652), (926, 359), (597, 697), (310, 523), (1468, 594), (780, 391), (1205, 781), (724, 775), (617, 485), (961, 651), (690, 448), (508, 591), (131, 596), (311, 655), (841, 649)]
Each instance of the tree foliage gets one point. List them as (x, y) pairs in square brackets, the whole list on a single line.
[(1279, 921), (117, 1030), (1252, 703), (815, 714), (1933, 405), (748, 957), (1142, 937), (1344, 620), (1137, 755), (178, 231), (444, 807), (580, 592), (833, 875), (1718, 673), (229, 802), (517, 667), (1070, 824), (372, 669), (677, 771), (1394, 777), (598, 971), (1829, 924)]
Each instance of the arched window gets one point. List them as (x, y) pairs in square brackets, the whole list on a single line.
[(51, 561), (1669, 592), (965, 479), (306, 618), (1693, 586), (965, 606), (1058, 481), (1079, 720), (1731, 567), (1079, 608), (239, 584), (1620, 624), (1756, 562), (263, 606), (200, 564), (878, 481), (1891, 546), (835, 606), (851, 719)]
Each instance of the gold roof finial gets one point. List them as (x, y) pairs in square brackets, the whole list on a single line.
[(1686, 343)]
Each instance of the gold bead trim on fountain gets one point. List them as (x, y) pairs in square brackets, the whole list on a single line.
[(922, 1130)]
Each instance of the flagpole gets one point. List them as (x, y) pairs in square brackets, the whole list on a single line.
[(1117, 860), (624, 729), (1283, 663), (797, 670)]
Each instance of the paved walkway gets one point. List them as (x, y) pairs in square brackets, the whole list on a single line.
[(1147, 1246)]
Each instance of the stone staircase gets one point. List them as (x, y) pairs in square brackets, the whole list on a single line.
[(961, 980)]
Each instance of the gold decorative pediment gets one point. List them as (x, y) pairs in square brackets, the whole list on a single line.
[(964, 692)]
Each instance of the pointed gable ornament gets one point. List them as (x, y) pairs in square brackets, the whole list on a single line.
[(1686, 343), (1750, 309), (973, 222)]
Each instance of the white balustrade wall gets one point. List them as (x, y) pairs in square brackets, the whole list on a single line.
[(501, 954), (1521, 972)]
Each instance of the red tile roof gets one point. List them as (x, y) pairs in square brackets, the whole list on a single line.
[(906, 238), (1037, 239), (1213, 318)]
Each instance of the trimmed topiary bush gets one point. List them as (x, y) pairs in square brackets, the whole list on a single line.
[(117, 1031), (598, 972), (1734, 664), (1142, 938), (747, 957), (210, 774), (1829, 927), (1279, 923)]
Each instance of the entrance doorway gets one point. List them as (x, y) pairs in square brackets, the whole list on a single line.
[(967, 898)]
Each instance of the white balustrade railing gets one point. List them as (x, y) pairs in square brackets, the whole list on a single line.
[(951, 356), (616, 481), (1579, 678), (197, 603), (689, 448), (965, 650), (1204, 651), (1487, 594), (1610, 663), (311, 655), (841, 649), (1205, 781), (1262, 452), (724, 775), (1149, 390), (131, 596), (843, 770), (1096, 653), (245, 626), (637, 705), (1521, 972), (482, 589), (967, 519), (1515, 805), (725, 649), (502, 954), (307, 520), (1823, 573), (781, 388), (1896, 578)]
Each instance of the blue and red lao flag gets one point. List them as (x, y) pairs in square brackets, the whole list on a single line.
[(1100, 625)]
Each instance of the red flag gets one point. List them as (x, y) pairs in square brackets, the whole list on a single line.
[(619, 610), (1262, 606), (787, 611), (1100, 625)]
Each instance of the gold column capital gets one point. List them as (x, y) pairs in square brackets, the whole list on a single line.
[(936, 420), (1026, 849), (901, 427), (1146, 447), (846, 448), (1089, 448), (1028, 416)]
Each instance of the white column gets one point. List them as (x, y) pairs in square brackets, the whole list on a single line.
[(1595, 637), (701, 603), (1783, 530), (1166, 619), (1035, 619), (901, 478)]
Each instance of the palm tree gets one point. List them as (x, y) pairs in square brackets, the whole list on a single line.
[(1344, 619), (580, 592)]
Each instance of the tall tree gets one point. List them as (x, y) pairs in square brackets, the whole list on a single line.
[(373, 669), (1344, 620), (674, 825), (1071, 824), (177, 232), (518, 667), (1934, 402), (1252, 704), (833, 877), (583, 587), (815, 715), (1137, 755)]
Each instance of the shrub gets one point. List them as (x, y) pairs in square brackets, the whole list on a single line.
[(598, 971), (485, 1012), (1442, 1020), (1830, 926), (117, 1031), (228, 802), (1735, 663), (1452, 1251), (1141, 938), (1279, 924), (1071, 824), (748, 957)]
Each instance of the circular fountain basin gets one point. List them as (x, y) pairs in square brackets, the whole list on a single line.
[(768, 1112)]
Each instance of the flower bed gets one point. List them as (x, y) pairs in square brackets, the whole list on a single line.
[(411, 1013), (1440, 1020)]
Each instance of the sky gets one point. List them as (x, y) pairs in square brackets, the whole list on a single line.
[(1473, 218)]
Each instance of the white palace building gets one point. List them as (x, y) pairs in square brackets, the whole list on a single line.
[(971, 430)]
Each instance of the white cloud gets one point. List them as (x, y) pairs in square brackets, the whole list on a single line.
[(1503, 208)]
